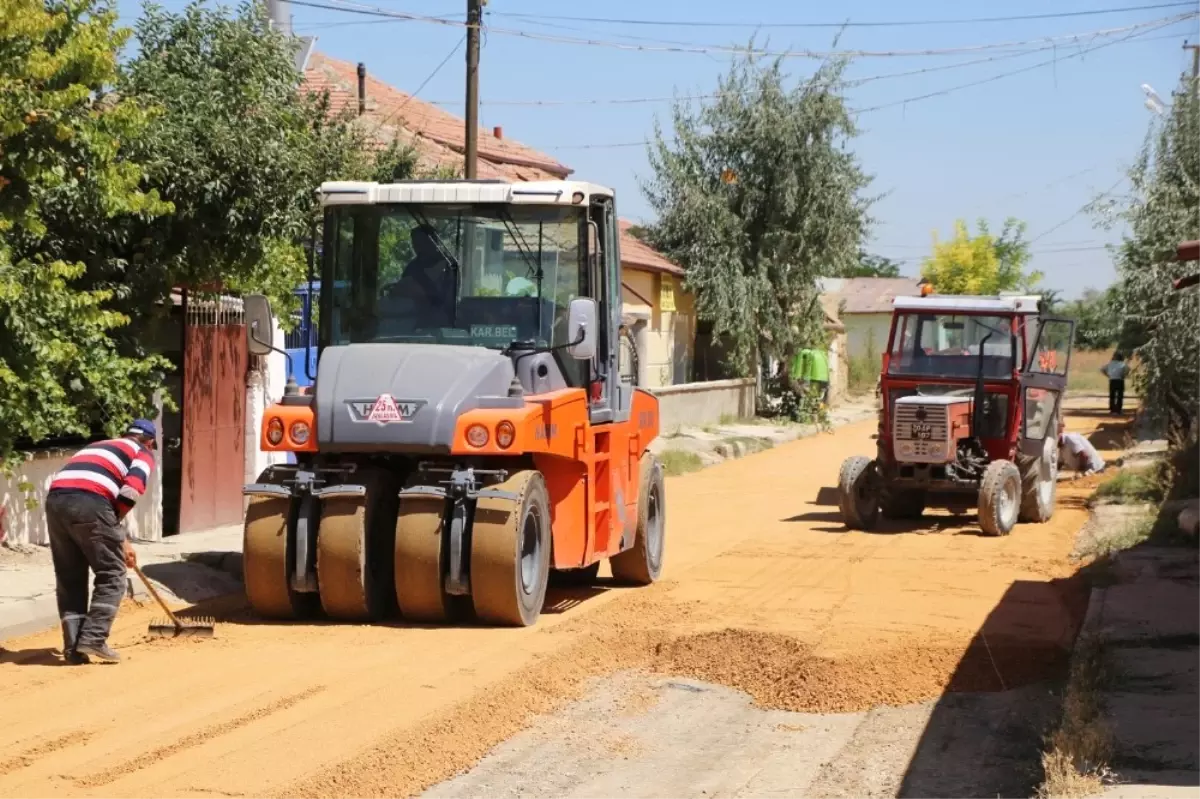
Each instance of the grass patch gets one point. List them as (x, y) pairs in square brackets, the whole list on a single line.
[(679, 461), (1131, 533), (1130, 487), (1074, 762), (862, 373)]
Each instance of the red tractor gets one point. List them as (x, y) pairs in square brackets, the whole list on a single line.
[(970, 397)]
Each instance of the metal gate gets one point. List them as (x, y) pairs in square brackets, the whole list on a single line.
[(214, 413)]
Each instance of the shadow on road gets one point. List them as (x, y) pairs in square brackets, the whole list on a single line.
[(985, 735), (44, 656), (233, 608)]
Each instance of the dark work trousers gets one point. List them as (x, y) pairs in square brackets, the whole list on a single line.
[(1116, 395), (84, 534)]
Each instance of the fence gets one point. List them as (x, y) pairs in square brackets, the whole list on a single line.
[(696, 404)]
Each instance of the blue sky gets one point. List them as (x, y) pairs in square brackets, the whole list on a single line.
[(1036, 145)]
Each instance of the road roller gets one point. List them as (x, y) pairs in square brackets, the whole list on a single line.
[(468, 437)]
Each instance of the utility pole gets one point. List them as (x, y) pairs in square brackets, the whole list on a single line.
[(474, 22), (1195, 48)]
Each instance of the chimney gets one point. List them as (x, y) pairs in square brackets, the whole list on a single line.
[(498, 132), (362, 88)]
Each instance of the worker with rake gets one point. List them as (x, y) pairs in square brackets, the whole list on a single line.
[(87, 500)]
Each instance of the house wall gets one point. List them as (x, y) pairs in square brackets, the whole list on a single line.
[(666, 345), (699, 404), (23, 498), (866, 334), (839, 369)]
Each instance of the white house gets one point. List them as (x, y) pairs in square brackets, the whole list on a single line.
[(865, 309)]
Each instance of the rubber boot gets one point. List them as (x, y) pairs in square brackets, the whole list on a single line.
[(70, 631)]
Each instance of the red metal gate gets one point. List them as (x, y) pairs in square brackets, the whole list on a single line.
[(214, 414)]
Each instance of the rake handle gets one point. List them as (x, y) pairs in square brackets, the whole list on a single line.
[(159, 599)]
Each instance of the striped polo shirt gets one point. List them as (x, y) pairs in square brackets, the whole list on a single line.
[(117, 470)]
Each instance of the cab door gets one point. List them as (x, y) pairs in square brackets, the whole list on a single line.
[(1044, 381)]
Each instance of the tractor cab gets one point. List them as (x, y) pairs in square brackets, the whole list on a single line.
[(968, 382)]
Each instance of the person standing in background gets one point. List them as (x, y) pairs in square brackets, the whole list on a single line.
[(1115, 370)]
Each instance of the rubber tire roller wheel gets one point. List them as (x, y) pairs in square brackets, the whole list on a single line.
[(999, 498), (1039, 491), (858, 493), (642, 563), (419, 559), (268, 554), (353, 551), (503, 532)]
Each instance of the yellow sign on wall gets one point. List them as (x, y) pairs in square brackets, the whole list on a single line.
[(666, 294)]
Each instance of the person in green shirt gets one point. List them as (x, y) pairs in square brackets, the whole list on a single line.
[(811, 367)]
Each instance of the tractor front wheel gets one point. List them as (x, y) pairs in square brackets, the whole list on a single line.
[(859, 492), (999, 498), (1039, 483)]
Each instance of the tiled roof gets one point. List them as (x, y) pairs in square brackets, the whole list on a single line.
[(869, 294), (437, 136), (638, 254)]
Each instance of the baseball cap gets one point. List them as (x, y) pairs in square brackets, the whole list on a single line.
[(142, 427)]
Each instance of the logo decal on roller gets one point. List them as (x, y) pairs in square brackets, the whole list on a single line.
[(384, 409)]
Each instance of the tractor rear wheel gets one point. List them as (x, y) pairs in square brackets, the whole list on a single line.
[(1039, 483), (642, 563), (999, 498), (859, 492), (510, 552), (419, 558), (268, 559), (353, 544)]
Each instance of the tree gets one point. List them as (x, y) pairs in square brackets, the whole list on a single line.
[(1098, 318), (983, 263), (869, 265), (1163, 208), (757, 197), (64, 161)]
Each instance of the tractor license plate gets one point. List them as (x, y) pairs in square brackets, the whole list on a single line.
[(922, 431)]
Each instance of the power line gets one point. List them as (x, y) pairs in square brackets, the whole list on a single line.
[(1078, 211), (356, 8), (685, 23), (905, 101), (423, 84)]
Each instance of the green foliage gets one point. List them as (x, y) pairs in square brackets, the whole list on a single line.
[(238, 149), (869, 265), (64, 164), (1162, 325), (758, 196), (1097, 316), (983, 263), (1130, 486)]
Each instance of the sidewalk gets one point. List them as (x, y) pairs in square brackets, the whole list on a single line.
[(188, 567), (1148, 626)]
